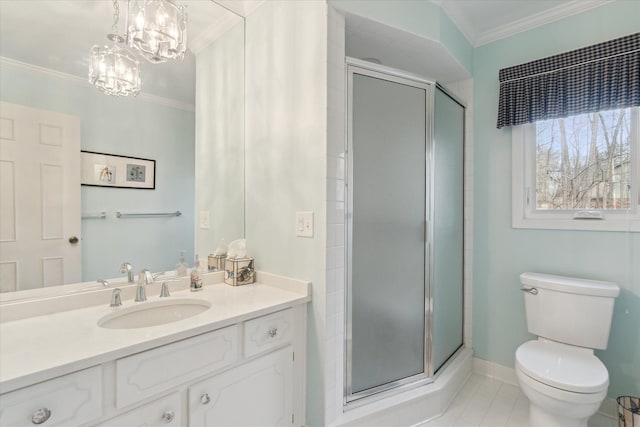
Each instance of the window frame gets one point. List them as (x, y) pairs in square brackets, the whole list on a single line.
[(524, 213)]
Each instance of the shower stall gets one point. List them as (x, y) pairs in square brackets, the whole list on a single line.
[(404, 230)]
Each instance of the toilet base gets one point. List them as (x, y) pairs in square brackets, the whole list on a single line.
[(541, 418), (552, 407)]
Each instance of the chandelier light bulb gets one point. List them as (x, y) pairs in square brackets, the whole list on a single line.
[(157, 29), (114, 70)]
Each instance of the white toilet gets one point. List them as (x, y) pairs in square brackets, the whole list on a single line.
[(558, 372)]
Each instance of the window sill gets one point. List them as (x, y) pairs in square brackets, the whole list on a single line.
[(623, 225)]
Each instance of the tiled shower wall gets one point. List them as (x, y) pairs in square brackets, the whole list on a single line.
[(335, 255), (335, 275)]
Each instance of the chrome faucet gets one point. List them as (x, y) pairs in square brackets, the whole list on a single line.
[(144, 278), (126, 268), (116, 300)]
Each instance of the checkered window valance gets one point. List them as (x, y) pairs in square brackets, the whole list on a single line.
[(595, 78)]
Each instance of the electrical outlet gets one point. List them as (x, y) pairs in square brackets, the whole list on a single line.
[(304, 224), (204, 220)]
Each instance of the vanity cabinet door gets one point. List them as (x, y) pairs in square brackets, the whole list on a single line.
[(70, 400), (258, 393), (164, 412)]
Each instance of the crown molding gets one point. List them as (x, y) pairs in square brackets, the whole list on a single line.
[(213, 32), (240, 7), (80, 81), (455, 13), (539, 19)]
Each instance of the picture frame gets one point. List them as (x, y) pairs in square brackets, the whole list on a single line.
[(112, 170)]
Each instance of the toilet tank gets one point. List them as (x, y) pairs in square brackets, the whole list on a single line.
[(569, 310)]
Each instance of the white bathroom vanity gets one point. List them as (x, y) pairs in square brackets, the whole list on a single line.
[(241, 361)]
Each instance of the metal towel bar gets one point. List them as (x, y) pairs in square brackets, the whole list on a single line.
[(146, 214), (101, 215)]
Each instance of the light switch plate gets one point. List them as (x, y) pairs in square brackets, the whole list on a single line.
[(204, 220), (304, 224)]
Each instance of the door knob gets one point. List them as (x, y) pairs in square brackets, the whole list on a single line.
[(168, 416), (73, 240), (41, 415)]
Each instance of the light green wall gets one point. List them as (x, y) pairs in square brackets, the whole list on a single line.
[(422, 18), (502, 253), (456, 42), (286, 144)]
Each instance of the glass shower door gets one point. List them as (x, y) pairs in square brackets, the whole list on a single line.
[(389, 133), (448, 228)]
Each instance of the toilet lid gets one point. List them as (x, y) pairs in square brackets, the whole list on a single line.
[(561, 366)]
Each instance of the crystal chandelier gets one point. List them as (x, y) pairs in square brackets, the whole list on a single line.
[(112, 69), (157, 28)]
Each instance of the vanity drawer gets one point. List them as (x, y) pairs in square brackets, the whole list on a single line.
[(166, 411), (70, 400), (267, 332), (145, 374)]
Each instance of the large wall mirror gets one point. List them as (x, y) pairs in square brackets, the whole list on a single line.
[(44, 59)]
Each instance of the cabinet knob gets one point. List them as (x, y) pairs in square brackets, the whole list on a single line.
[(41, 415), (168, 416), (73, 240), (205, 399), (273, 332)]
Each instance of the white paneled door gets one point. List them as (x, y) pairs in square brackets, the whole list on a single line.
[(39, 198)]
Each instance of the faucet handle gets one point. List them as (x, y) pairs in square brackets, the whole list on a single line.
[(116, 301), (164, 291), (103, 282)]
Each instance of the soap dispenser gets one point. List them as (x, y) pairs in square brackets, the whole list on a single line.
[(196, 281), (181, 268)]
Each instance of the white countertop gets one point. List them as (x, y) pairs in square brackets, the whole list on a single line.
[(38, 348)]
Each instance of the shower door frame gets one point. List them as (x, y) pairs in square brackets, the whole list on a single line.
[(356, 66)]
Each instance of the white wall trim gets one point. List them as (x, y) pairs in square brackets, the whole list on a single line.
[(543, 18), (82, 81), (494, 370), (507, 375), (477, 38), (213, 32), (243, 8)]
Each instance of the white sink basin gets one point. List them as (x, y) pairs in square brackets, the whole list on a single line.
[(145, 314)]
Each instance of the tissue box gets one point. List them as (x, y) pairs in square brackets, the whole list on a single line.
[(216, 262), (239, 271)]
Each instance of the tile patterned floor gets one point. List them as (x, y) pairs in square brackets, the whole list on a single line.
[(486, 402)]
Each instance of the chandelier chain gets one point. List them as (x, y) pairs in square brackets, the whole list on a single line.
[(116, 15)]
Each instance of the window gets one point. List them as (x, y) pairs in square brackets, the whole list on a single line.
[(581, 172)]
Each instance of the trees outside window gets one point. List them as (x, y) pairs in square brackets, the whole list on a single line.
[(583, 166), (584, 162)]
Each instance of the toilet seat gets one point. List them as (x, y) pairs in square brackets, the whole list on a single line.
[(562, 366)]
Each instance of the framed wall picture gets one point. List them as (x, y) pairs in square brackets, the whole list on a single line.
[(109, 170)]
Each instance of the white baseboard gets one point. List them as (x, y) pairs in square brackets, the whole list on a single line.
[(494, 370), (609, 407)]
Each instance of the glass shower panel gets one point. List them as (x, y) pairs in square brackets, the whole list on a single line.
[(447, 285), (387, 211)]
